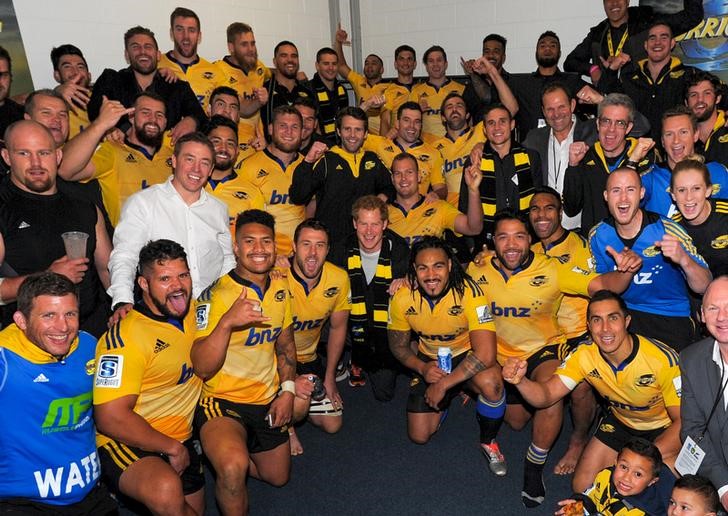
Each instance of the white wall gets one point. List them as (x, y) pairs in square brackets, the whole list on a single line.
[(97, 27), (459, 26)]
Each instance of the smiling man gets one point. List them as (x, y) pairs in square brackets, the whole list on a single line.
[(179, 210), (330, 94)]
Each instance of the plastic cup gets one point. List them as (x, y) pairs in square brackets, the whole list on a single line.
[(75, 243)]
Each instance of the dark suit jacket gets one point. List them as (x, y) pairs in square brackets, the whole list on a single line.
[(700, 386), (538, 140)]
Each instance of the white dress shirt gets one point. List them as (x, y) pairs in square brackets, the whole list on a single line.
[(558, 160), (160, 212), (718, 359)]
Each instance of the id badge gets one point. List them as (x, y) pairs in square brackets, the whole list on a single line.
[(690, 457)]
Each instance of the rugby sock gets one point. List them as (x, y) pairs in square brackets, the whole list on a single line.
[(490, 417), (534, 490)]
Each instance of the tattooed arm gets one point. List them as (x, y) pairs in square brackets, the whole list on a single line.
[(481, 357), (281, 410), (399, 344)]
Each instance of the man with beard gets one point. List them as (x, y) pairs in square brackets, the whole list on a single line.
[(183, 110), (703, 93), (34, 214), (320, 295), (368, 88), (329, 92), (510, 172), (590, 166), (376, 261), (483, 90), (526, 291), (405, 62), (527, 87), (224, 101), (457, 143), (409, 129), (184, 61), (679, 134), (121, 169), (10, 111), (225, 183), (180, 210), (284, 87), (70, 71), (339, 176), (46, 362), (430, 94), (145, 391), (270, 171), (309, 133), (658, 299), (246, 74), (245, 353), (552, 142)]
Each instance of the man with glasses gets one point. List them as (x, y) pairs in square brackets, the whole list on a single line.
[(589, 167)]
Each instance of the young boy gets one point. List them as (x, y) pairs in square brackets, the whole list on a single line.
[(693, 495), (638, 484)]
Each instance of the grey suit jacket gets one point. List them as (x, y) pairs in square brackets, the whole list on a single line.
[(700, 386)]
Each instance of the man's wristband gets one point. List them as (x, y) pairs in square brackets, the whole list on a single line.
[(119, 305), (288, 386), (593, 68), (630, 163)]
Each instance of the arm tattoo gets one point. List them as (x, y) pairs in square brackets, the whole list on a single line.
[(285, 348), (399, 344), (471, 365)]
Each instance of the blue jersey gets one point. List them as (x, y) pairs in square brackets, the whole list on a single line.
[(47, 434), (659, 287), (657, 188)]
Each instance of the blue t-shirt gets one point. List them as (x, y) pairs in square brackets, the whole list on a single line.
[(660, 286)]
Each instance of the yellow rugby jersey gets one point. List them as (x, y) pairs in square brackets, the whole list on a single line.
[(432, 126), (249, 374), (454, 153), (244, 84), (202, 75), (246, 134), (147, 356), (525, 306), (273, 179), (639, 390), (123, 170), (77, 121), (394, 96), (364, 91), (311, 309), (238, 195), (429, 161), (444, 323), (571, 249), (424, 219)]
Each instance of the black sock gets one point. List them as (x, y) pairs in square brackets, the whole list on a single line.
[(534, 490), (488, 428)]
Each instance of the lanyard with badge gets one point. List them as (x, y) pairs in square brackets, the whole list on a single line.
[(691, 454), (610, 44)]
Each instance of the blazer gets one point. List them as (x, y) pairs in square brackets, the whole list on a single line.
[(701, 381)]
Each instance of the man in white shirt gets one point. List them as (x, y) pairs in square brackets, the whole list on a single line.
[(703, 408), (552, 141), (178, 210)]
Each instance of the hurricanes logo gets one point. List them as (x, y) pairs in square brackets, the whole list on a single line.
[(91, 366), (331, 292), (259, 71), (368, 165), (414, 381), (607, 428), (168, 162), (280, 295), (455, 310), (538, 281), (720, 243), (715, 189), (723, 138), (651, 251), (429, 212), (645, 380), (208, 75), (424, 157), (241, 195)]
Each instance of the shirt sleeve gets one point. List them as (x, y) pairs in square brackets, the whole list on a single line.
[(570, 371), (448, 213), (397, 320), (436, 175), (670, 384), (103, 160), (674, 229), (343, 300), (119, 369), (210, 310), (574, 279), (477, 310)]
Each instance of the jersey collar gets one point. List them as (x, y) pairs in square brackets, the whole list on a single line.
[(522, 268), (143, 309), (184, 66), (249, 284), (416, 205), (303, 283), (556, 242), (629, 359), (141, 149), (214, 182), (18, 343)]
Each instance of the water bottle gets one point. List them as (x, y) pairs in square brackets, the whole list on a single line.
[(444, 359)]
